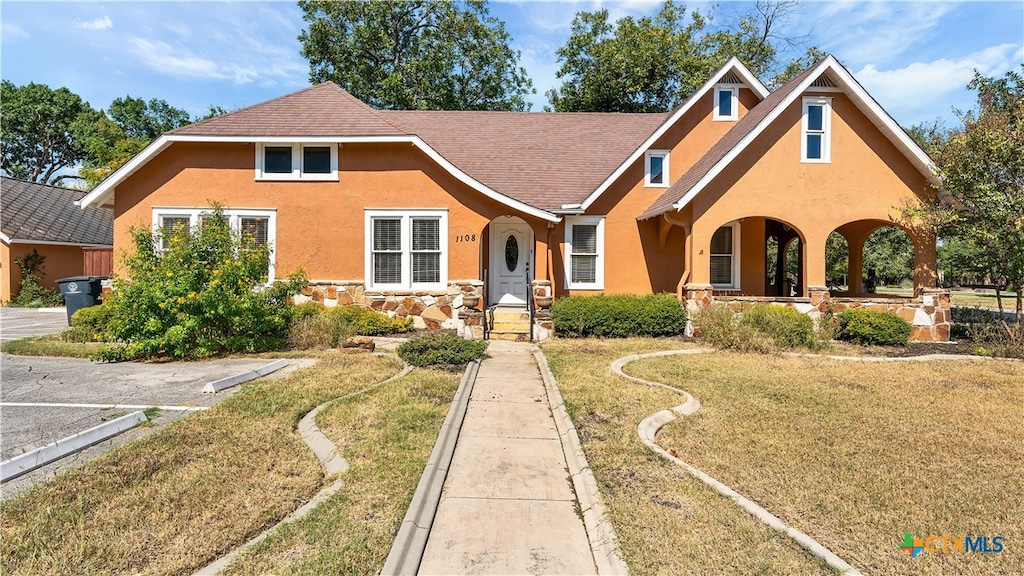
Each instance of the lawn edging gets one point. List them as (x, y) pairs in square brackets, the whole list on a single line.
[(649, 427), (225, 383), (407, 550), (325, 450), (604, 544)]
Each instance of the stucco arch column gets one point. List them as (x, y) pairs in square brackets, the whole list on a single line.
[(926, 273), (700, 253), (814, 261)]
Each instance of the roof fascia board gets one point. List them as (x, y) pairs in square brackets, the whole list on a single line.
[(873, 108), (54, 243), (104, 192), (4, 238), (733, 64)]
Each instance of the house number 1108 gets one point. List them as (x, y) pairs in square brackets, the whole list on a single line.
[(466, 238)]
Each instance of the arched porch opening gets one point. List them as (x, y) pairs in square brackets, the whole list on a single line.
[(881, 258), (784, 260)]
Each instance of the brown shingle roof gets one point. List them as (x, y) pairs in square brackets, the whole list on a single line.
[(45, 213), (321, 110), (733, 137), (541, 159)]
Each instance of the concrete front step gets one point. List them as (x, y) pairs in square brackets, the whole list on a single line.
[(511, 336)]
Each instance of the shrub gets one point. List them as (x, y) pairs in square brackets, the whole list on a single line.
[(618, 316), (446, 349), (761, 328), (368, 322), (868, 327), (317, 331), (315, 326), (91, 324), (205, 294), (31, 293), (986, 332), (786, 326)]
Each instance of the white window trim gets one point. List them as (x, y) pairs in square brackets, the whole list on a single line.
[(647, 168), (826, 130), (406, 215), (234, 216), (735, 285), (734, 89), (599, 272), (296, 173)]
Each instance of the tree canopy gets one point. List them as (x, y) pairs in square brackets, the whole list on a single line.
[(416, 54), (652, 64), (38, 131)]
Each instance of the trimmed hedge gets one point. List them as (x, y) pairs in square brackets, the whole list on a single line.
[(868, 327), (618, 316), (441, 349)]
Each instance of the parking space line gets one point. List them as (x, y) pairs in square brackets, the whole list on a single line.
[(104, 406)]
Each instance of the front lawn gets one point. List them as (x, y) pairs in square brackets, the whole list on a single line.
[(176, 500), (854, 454)]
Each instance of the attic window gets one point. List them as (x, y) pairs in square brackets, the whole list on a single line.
[(726, 103), (656, 169), (295, 161), (815, 145)]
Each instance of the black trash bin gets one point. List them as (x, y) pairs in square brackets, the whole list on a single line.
[(80, 292)]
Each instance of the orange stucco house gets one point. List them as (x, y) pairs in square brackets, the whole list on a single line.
[(444, 215)]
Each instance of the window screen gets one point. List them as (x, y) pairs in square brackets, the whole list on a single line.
[(256, 229), (316, 160), (387, 251), (173, 226), (584, 252), (721, 256), (426, 250), (277, 159)]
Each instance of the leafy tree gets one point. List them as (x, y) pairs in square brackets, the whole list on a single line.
[(797, 65), (837, 259), (652, 64), (889, 251), (203, 295), (146, 120), (981, 201), (38, 131), (417, 54)]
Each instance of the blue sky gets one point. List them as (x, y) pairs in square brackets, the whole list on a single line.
[(914, 57)]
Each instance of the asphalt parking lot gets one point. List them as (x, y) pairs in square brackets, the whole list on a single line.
[(43, 400), (18, 323)]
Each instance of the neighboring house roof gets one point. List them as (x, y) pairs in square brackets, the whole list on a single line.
[(542, 159), (321, 110), (39, 213), (762, 115)]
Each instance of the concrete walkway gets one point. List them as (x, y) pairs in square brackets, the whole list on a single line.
[(508, 505)]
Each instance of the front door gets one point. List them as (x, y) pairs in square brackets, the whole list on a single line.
[(511, 253)]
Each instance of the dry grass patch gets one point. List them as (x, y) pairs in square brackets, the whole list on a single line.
[(173, 501), (857, 454), (51, 345), (386, 435), (667, 522)]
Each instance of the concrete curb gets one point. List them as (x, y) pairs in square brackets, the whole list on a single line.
[(29, 461), (648, 429), (326, 452), (604, 544), (410, 543), (218, 385)]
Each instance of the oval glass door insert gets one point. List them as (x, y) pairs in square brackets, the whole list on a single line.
[(511, 253)]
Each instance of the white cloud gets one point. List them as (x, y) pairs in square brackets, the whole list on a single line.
[(12, 31), (920, 91), (97, 24)]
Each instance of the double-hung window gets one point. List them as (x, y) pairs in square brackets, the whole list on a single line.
[(296, 161), (406, 249), (816, 145), (726, 103), (724, 257), (656, 169), (584, 252), (255, 226)]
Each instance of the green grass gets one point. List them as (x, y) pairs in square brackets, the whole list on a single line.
[(51, 345), (173, 501)]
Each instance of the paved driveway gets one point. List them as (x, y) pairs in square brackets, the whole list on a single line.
[(21, 322), (45, 399)]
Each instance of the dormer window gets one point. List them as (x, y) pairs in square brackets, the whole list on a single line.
[(816, 145), (726, 103), (295, 161), (656, 169)]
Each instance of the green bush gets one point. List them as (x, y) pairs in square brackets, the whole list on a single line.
[(206, 293), (31, 294), (761, 328), (91, 324), (446, 349), (868, 327), (369, 322), (787, 327), (618, 316)]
